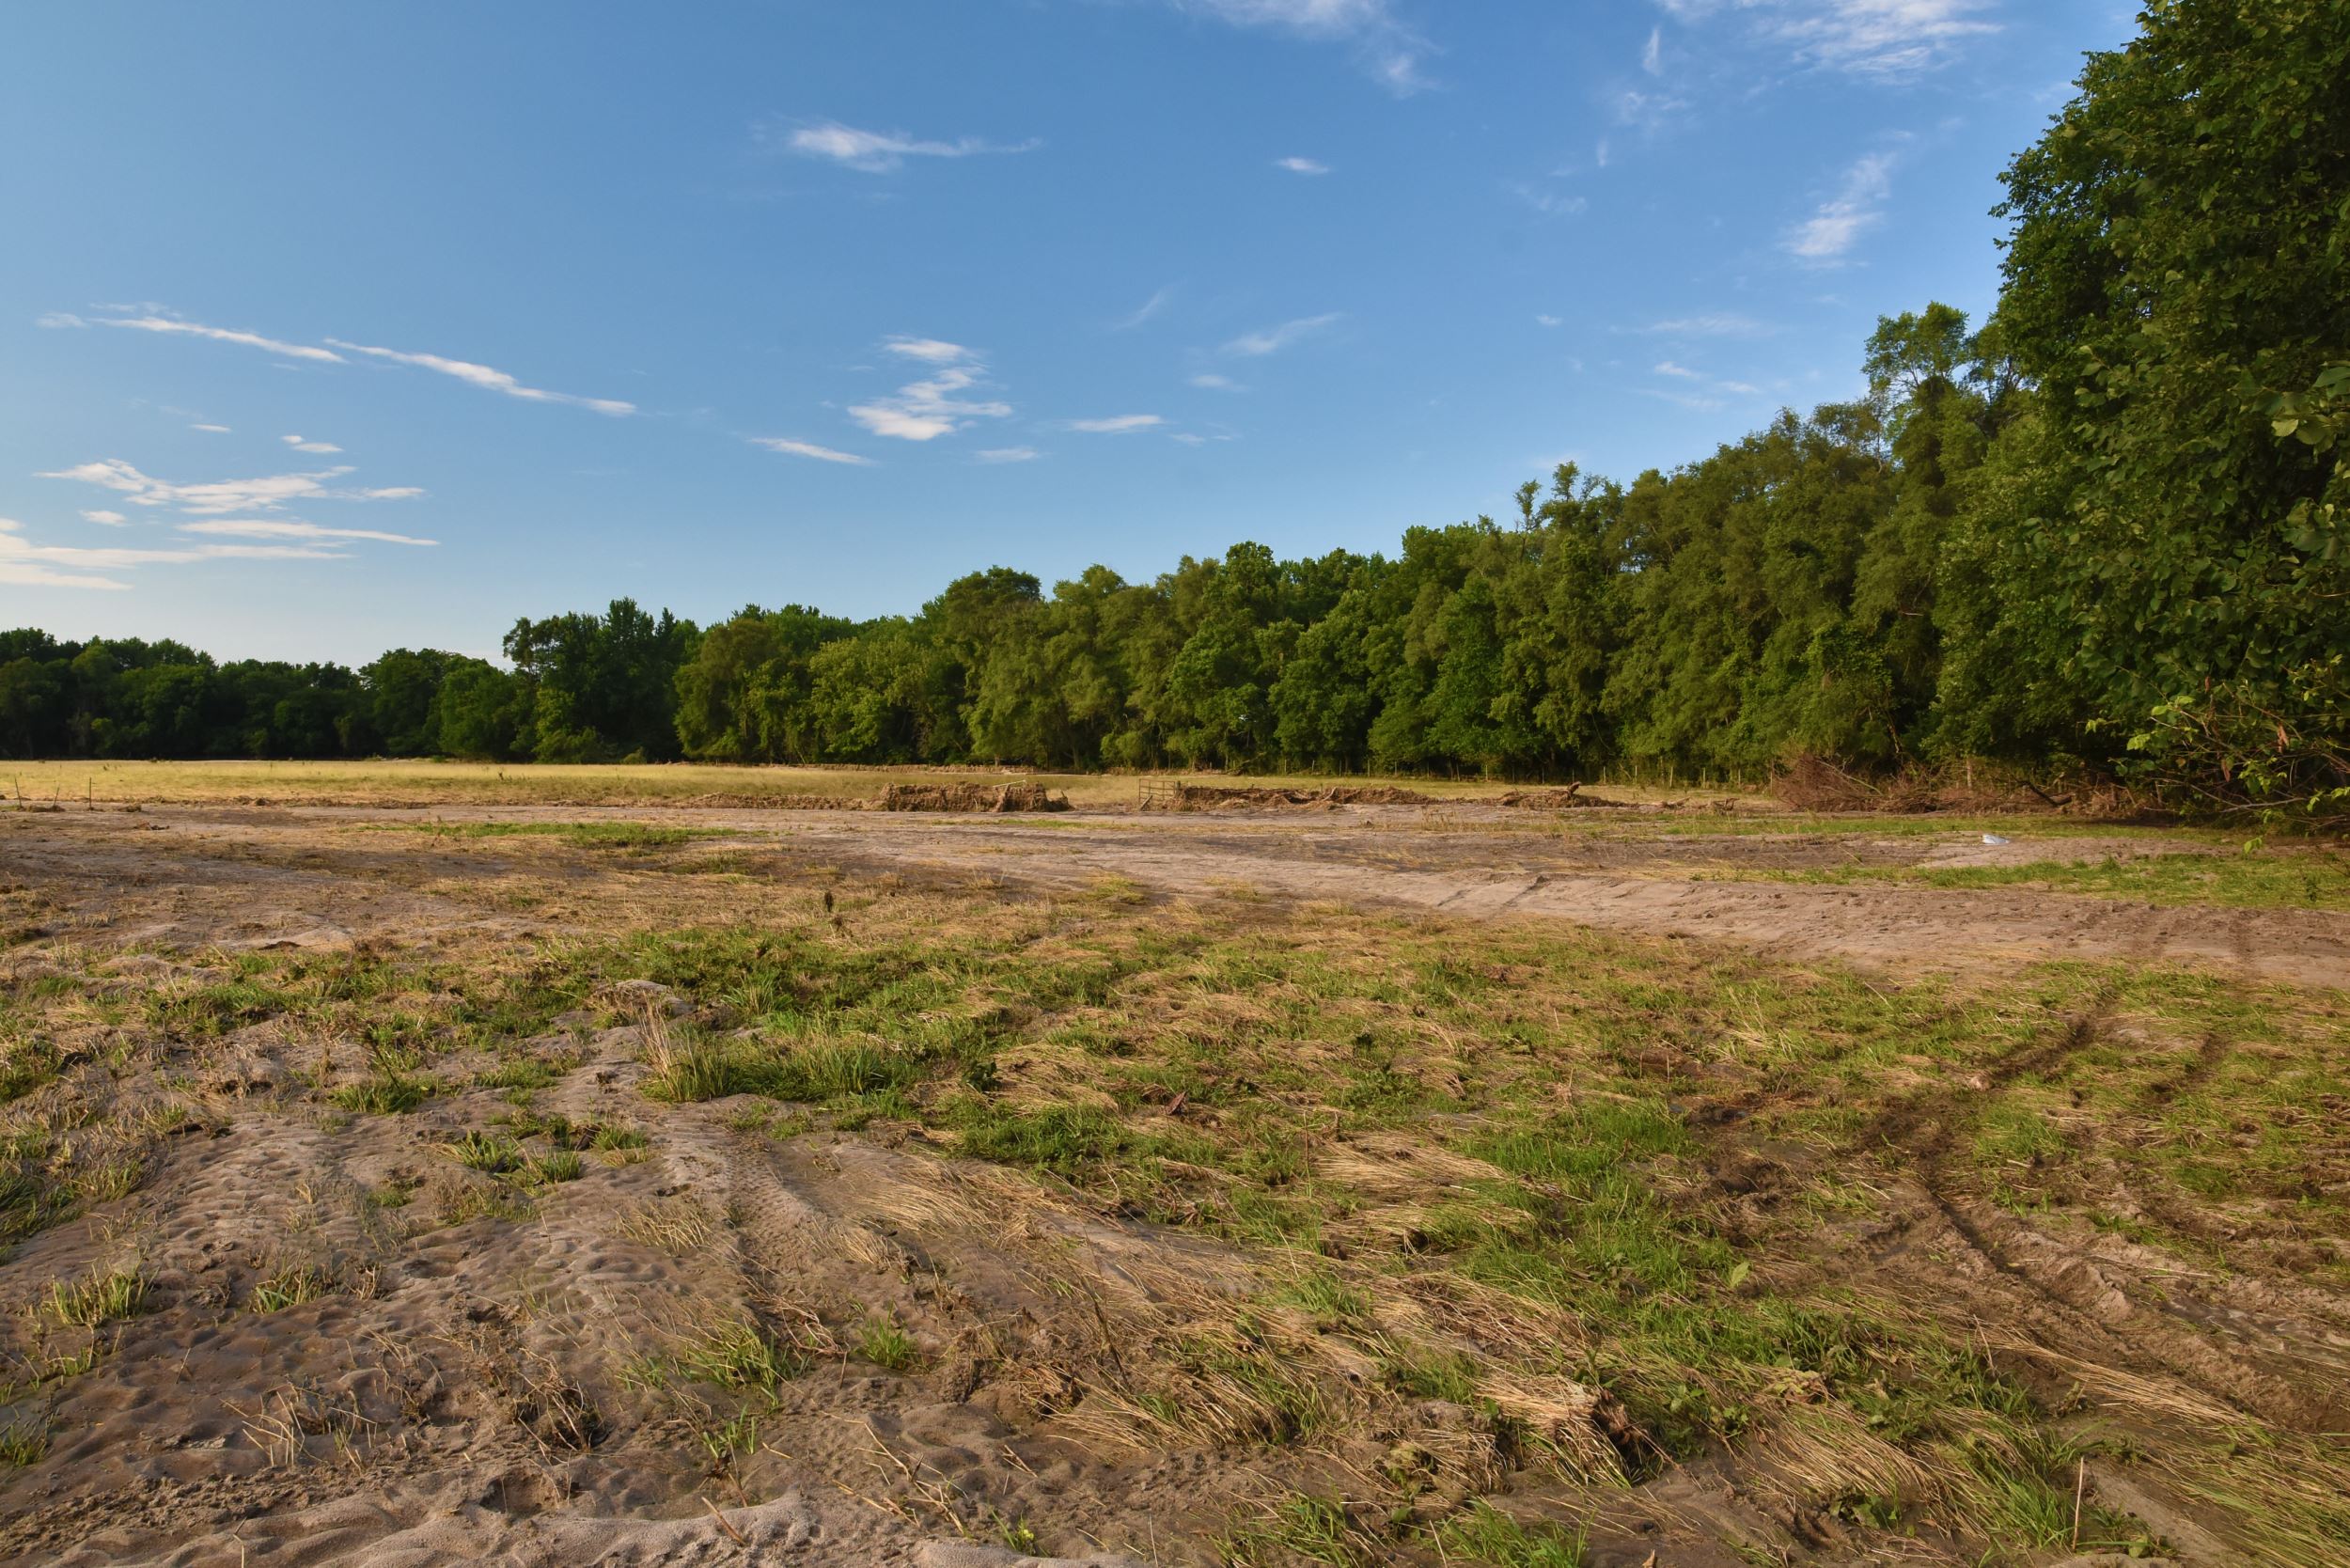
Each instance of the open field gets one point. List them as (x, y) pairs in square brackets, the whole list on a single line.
[(434, 783), (429, 1168)]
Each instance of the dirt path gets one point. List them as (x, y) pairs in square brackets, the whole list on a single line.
[(291, 867), (1656, 888)]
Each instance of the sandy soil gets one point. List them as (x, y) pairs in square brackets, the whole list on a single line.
[(456, 1403), (1467, 862)]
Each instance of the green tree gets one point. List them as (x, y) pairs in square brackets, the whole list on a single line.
[(2175, 278)]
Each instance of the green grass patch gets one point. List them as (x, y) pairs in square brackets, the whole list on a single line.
[(1483, 1533), (485, 1151), (740, 1355), (880, 1340), (385, 1094), (2227, 879), (97, 1299), (623, 835), (291, 1286)]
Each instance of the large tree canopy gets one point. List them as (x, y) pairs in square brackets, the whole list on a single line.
[(2178, 292)]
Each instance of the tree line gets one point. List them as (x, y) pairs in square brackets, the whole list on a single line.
[(2105, 531)]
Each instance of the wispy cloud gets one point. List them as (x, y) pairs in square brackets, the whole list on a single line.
[(1868, 37), (29, 565), (23, 562), (224, 495), (1825, 237), (1301, 165), (1652, 56), (1549, 320), (877, 152), (1385, 46), (162, 324), (465, 371), (931, 350), (932, 407), (1121, 424), (1647, 112), (1149, 309), (1714, 387), (484, 377), (1274, 339), (1549, 200), (106, 519), (1009, 454), (301, 446), (263, 527), (809, 449), (1715, 324), (1209, 381)]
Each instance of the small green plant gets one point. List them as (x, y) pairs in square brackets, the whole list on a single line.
[(393, 1195), (1429, 1374), (385, 1094), (692, 1067), (1314, 1528), (731, 1442), (485, 1151), (517, 1072), (61, 1367), (98, 1298), (115, 1179), (621, 1145), (291, 1286), (23, 1441), (881, 1341), (1331, 1300), (560, 1165), (483, 1201), (738, 1355), (1485, 1534)]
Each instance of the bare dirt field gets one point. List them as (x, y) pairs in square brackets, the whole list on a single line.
[(408, 1179)]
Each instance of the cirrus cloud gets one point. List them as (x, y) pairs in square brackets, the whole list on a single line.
[(809, 449), (1255, 345), (1385, 45), (1884, 38), (1120, 424), (1857, 206), (166, 324), (223, 495), (876, 152), (485, 377), (277, 527), (23, 562)]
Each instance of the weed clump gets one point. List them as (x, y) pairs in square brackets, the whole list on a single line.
[(97, 1299), (485, 1151), (740, 1355), (291, 1286)]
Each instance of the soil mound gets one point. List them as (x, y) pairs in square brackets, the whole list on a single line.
[(993, 798), (1568, 797), (1809, 783), (1214, 797)]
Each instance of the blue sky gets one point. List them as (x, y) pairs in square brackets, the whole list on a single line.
[(829, 303)]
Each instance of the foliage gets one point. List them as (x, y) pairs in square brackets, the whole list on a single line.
[(2178, 291)]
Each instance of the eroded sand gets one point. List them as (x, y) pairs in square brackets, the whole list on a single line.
[(431, 1410)]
